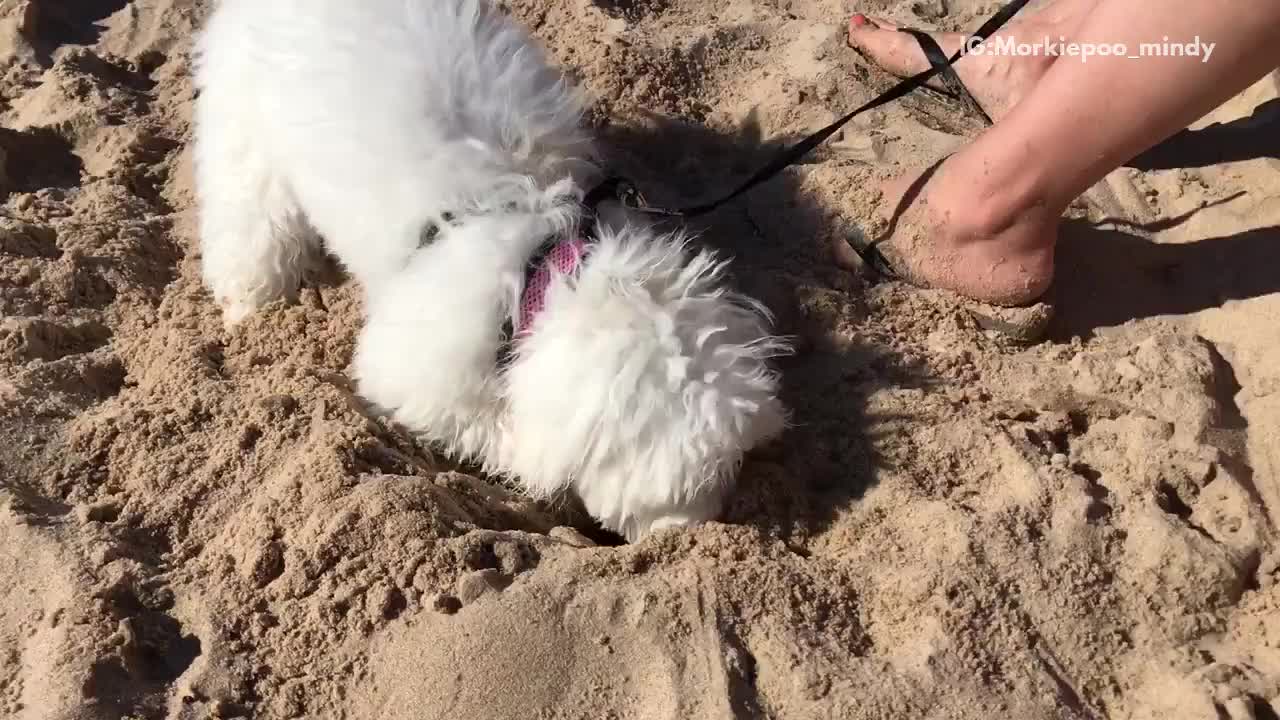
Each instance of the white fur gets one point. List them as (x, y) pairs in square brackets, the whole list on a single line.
[(644, 382)]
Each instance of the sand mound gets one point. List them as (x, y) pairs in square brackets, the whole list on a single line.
[(196, 523)]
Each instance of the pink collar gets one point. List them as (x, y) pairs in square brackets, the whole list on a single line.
[(562, 259)]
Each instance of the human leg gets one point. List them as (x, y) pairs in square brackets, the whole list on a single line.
[(984, 224)]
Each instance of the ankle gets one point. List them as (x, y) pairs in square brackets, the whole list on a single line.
[(984, 235), (991, 193)]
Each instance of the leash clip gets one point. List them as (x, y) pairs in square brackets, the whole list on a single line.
[(617, 188), (630, 196)]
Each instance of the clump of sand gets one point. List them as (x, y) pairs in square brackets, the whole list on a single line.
[(199, 523)]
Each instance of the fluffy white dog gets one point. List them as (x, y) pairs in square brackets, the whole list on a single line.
[(437, 153)]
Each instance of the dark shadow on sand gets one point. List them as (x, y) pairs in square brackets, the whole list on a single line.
[(1257, 136), (1106, 278), (776, 234), (71, 22), (37, 158)]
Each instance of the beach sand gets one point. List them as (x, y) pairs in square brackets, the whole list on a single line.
[(198, 523)]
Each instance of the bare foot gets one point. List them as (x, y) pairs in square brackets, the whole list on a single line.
[(948, 232), (997, 82), (978, 224)]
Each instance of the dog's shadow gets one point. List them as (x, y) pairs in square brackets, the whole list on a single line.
[(776, 234)]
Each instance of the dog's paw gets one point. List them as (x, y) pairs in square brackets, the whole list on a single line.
[(235, 311), (674, 517), (672, 522)]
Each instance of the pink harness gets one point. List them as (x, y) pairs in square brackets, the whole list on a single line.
[(562, 259)]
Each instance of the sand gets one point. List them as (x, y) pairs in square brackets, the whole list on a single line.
[(199, 523)]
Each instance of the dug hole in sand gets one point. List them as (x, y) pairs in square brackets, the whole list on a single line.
[(196, 523)]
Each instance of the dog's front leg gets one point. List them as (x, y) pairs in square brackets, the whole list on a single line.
[(428, 351)]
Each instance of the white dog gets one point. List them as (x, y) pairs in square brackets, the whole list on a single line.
[(436, 151)]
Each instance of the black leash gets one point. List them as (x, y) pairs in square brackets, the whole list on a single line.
[(625, 193)]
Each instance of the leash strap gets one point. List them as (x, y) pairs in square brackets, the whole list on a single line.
[(950, 80), (938, 64)]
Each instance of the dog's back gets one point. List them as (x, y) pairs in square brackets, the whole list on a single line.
[(415, 105), (388, 64)]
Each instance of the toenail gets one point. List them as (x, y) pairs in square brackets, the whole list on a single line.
[(858, 20)]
